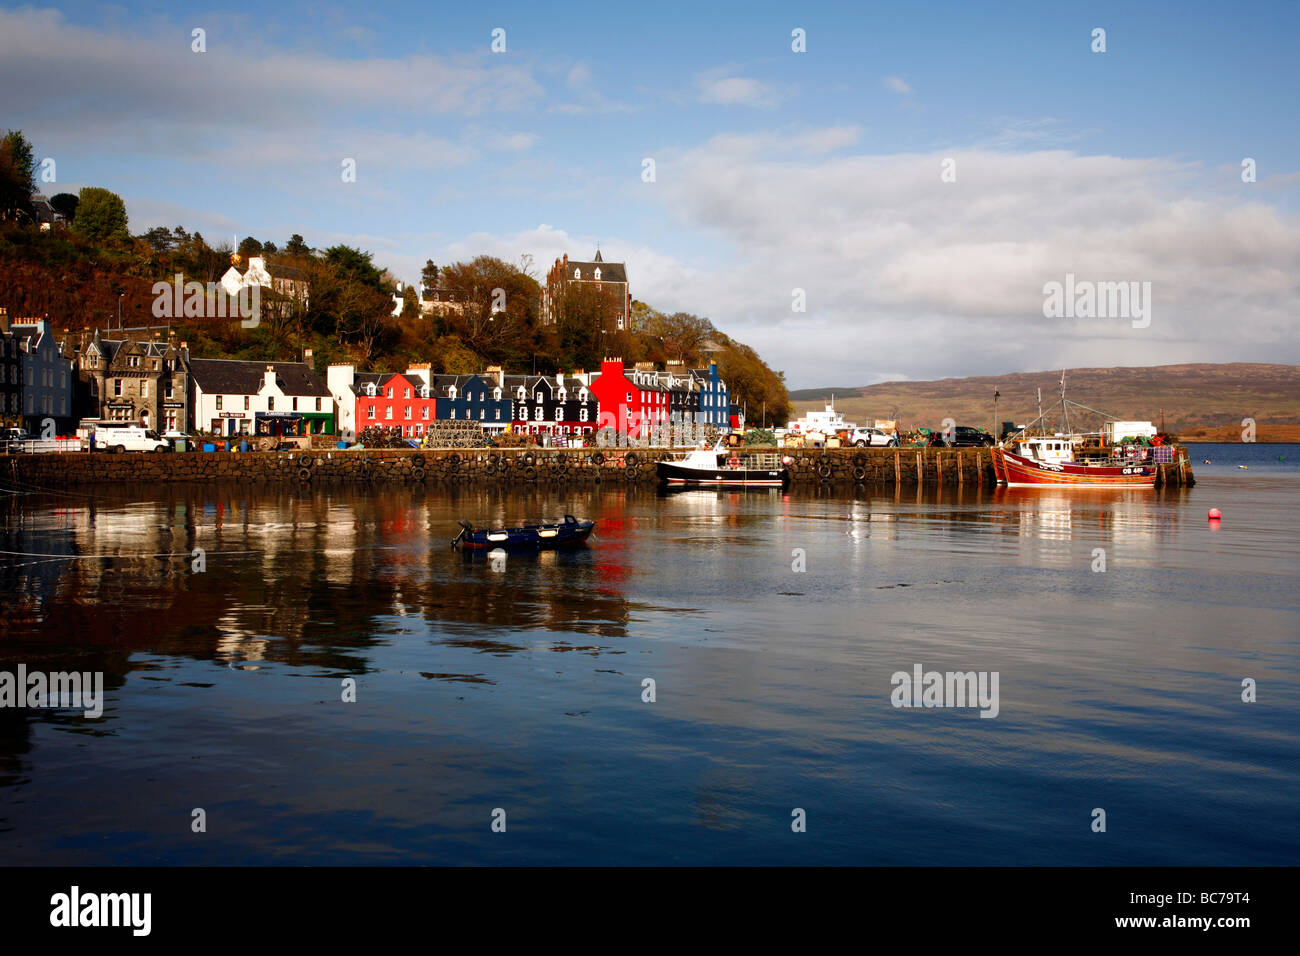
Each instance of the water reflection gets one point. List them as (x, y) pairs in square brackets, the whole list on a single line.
[(517, 677)]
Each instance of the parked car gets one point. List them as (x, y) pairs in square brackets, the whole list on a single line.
[(964, 436), (872, 437), (128, 437), (11, 439)]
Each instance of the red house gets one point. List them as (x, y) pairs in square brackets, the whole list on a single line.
[(396, 401), (632, 401)]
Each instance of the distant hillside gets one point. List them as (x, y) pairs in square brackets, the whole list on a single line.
[(1192, 397)]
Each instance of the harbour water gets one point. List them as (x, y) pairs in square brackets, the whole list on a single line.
[(518, 684)]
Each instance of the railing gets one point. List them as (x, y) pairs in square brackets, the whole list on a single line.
[(761, 462)]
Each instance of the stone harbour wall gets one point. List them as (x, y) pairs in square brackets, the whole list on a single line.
[(808, 467)]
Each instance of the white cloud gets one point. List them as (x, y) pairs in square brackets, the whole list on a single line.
[(720, 87), (897, 85), (903, 270)]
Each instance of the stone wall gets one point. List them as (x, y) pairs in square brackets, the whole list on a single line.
[(808, 467)]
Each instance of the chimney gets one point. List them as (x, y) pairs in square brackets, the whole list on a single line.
[(269, 376), (498, 373), (307, 359), (559, 379), (421, 370)]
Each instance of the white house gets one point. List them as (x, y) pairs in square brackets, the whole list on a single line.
[(259, 398)]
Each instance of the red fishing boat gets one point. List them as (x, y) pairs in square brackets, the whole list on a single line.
[(1051, 460)]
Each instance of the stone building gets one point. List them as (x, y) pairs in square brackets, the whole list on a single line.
[(140, 377)]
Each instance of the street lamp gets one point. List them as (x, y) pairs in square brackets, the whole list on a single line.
[(119, 310), (996, 396)]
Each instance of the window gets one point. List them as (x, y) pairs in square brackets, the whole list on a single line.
[(451, 391), (538, 396), (629, 398), (582, 414), (406, 393), (564, 394), (270, 403), (577, 273), (370, 412), (406, 413), (295, 403), (388, 412), (482, 413), (559, 413), (144, 389), (424, 413), (537, 414), (167, 389), (318, 404), (118, 391), (453, 413), (597, 273), (498, 413), (496, 394)]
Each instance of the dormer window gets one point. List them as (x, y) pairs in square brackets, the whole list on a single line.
[(520, 394), (370, 389), (577, 273), (582, 395), (424, 391), (597, 273), (564, 395), (496, 393), (451, 391)]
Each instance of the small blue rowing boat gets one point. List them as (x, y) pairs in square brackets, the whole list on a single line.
[(559, 534)]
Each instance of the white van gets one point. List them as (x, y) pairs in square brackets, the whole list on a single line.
[(116, 438)]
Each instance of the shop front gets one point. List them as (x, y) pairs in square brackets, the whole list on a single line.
[(279, 424)]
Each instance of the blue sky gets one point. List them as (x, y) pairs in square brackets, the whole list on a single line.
[(775, 170)]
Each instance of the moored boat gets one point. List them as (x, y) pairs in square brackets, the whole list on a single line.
[(556, 534), (720, 466), (1051, 460)]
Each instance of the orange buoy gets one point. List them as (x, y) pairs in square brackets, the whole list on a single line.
[(1215, 514)]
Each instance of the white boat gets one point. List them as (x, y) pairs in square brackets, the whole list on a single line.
[(721, 466), (826, 423)]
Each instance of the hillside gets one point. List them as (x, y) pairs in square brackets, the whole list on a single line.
[(1208, 398)]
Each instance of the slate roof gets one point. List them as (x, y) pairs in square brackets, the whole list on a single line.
[(609, 271), (233, 377), (286, 272)]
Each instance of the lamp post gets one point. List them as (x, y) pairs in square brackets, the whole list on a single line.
[(996, 396), (119, 310)]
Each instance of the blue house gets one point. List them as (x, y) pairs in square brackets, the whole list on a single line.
[(715, 397), (47, 379), (472, 398)]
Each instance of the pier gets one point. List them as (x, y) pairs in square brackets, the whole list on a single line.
[(809, 467)]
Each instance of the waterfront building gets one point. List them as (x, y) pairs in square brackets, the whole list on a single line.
[(231, 397), (632, 401), (479, 398), (46, 378), (715, 397), (562, 406), (11, 377), (136, 378)]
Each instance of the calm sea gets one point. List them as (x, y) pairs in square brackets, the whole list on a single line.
[(518, 686)]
